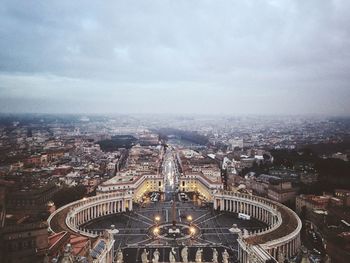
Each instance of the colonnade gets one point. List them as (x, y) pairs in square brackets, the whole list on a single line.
[(262, 212), (288, 248), (276, 241), (87, 209), (89, 212)]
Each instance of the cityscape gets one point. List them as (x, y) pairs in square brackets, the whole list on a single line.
[(175, 131), (203, 189)]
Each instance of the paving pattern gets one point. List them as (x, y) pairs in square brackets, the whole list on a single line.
[(134, 230)]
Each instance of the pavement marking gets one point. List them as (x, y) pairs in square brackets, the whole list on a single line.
[(136, 219), (144, 217), (201, 217), (210, 218)]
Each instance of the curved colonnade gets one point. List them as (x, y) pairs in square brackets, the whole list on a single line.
[(87, 209), (281, 239)]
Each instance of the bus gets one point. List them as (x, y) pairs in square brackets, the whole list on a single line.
[(243, 216)]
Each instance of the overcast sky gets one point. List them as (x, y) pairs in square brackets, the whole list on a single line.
[(183, 56)]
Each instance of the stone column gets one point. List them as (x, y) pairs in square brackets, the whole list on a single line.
[(130, 204)]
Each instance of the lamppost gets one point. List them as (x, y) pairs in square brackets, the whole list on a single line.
[(156, 229), (192, 231), (157, 219), (189, 219)]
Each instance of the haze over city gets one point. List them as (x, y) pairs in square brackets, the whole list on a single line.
[(232, 57), (187, 131)]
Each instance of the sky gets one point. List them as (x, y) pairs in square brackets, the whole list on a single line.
[(183, 56)]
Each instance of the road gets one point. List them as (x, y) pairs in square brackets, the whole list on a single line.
[(170, 173)]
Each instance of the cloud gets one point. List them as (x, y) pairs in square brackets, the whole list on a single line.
[(146, 55)]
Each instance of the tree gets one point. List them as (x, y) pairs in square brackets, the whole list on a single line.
[(68, 194)]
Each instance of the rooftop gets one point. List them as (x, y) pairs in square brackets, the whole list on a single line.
[(289, 224)]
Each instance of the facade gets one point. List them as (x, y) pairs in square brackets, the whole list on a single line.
[(24, 243), (282, 192), (30, 201), (199, 184)]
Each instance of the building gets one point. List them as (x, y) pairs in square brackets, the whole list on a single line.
[(79, 245), (283, 192), (308, 178), (77, 248), (311, 202), (24, 243), (235, 143), (30, 201), (343, 194)]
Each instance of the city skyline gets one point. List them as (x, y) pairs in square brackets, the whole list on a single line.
[(266, 57)]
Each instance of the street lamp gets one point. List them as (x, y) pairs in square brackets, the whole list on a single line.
[(156, 231), (192, 230), (157, 219), (189, 218)]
